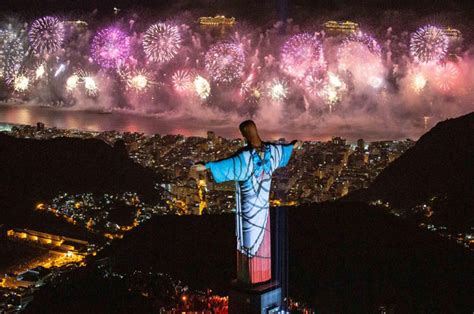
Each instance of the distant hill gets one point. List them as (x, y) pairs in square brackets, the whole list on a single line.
[(36, 170), (343, 258), (441, 165)]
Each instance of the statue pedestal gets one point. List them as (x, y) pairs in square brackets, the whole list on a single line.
[(256, 299)]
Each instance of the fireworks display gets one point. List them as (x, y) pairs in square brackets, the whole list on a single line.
[(46, 35), (224, 62), (161, 42), (246, 72), (428, 43), (302, 54), (110, 47)]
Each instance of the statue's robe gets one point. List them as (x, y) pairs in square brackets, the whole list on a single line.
[(253, 176)]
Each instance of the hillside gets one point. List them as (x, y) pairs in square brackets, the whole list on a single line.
[(37, 170), (440, 165), (343, 258)]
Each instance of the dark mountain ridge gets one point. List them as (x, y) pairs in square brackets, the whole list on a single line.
[(343, 258), (37, 170), (440, 165)]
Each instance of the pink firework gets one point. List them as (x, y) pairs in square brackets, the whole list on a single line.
[(313, 83), (364, 39), (357, 48), (361, 57), (110, 47), (302, 54), (247, 84), (224, 62), (46, 35), (429, 43), (182, 80), (446, 76)]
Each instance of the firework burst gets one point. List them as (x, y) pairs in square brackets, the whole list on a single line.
[(161, 42), (418, 82), (364, 39), (40, 71), (428, 43), (278, 90), (21, 83), (90, 86), (301, 55), (46, 35), (137, 80), (247, 84), (355, 49), (84, 79), (331, 91), (446, 76), (360, 56), (110, 48), (182, 80), (224, 62), (313, 84), (253, 95), (202, 87), (72, 82)]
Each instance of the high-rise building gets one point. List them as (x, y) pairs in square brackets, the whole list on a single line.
[(211, 136)]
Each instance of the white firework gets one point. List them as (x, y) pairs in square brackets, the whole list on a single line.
[(21, 83), (161, 42), (278, 90), (72, 82), (90, 86), (202, 87)]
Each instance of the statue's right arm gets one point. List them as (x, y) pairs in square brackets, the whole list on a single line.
[(198, 167)]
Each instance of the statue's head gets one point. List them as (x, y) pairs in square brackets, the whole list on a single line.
[(249, 130)]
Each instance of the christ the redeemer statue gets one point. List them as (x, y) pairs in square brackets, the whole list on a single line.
[(251, 168)]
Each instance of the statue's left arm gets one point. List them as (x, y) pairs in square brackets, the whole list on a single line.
[(234, 168)]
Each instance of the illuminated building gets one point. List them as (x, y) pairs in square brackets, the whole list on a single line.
[(454, 35), (211, 136), (341, 26), (64, 244), (217, 20), (36, 277)]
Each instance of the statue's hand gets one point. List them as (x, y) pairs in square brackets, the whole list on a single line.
[(195, 170), (297, 145), (198, 167)]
